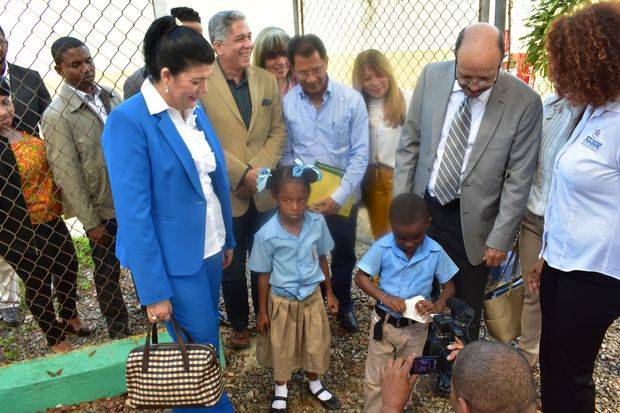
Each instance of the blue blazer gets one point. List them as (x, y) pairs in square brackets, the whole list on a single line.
[(159, 203)]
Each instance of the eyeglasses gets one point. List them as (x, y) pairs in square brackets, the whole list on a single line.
[(482, 83), (316, 72)]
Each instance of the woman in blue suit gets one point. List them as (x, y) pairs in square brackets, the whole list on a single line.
[(170, 187)]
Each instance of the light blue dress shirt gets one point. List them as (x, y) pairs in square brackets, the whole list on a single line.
[(582, 219), (404, 278), (293, 261), (336, 134)]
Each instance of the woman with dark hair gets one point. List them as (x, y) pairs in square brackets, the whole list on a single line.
[(580, 280), (170, 187), (33, 216)]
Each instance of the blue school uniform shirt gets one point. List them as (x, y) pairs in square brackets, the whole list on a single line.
[(406, 278), (293, 261)]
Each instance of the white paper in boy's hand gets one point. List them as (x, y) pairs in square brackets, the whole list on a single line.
[(412, 313)]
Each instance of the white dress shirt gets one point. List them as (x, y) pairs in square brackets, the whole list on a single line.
[(383, 138), (204, 160), (94, 102), (582, 219), (477, 105)]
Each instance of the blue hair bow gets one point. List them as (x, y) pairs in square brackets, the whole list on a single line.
[(263, 176), (299, 168), (297, 172)]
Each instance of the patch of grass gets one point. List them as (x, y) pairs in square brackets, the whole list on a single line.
[(82, 247), (9, 347), (85, 262)]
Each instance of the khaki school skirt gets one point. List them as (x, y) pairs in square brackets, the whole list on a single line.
[(298, 337)]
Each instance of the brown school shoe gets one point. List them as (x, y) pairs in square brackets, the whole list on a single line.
[(239, 339)]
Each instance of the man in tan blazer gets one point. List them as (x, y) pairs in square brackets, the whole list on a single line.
[(71, 127), (244, 106)]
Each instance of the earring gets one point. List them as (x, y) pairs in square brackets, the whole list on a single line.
[(167, 89)]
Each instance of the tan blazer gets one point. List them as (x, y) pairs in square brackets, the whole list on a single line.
[(261, 145), (72, 134)]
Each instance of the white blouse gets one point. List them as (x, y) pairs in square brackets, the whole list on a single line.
[(582, 219), (383, 139), (204, 160)]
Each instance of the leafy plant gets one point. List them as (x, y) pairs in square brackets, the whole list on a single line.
[(539, 23)]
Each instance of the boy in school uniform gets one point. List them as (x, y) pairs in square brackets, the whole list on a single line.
[(406, 262)]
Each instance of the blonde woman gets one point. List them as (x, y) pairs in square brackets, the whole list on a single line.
[(270, 54), (387, 107)]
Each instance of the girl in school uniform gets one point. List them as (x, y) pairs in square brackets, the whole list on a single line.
[(289, 253)]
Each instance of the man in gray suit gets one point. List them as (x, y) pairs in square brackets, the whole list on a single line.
[(469, 146)]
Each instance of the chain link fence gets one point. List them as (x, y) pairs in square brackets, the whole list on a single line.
[(411, 33), (55, 281)]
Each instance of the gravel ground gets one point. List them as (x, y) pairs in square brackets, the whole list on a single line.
[(250, 386)]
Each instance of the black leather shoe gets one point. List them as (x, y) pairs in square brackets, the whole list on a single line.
[(330, 404), (10, 315), (348, 322)]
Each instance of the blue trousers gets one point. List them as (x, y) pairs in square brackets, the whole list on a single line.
[(195, 307)]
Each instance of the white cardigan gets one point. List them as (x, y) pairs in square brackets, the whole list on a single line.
[(383, 139)]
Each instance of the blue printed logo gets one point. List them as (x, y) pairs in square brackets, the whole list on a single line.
[(592, 144)]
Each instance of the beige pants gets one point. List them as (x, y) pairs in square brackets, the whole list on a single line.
[(9, 289), (530, 243), (397, 342)]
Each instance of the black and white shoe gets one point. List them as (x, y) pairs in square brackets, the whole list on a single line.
[(330, 404)]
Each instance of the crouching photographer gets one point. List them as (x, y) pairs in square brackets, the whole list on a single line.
[(487, 377)]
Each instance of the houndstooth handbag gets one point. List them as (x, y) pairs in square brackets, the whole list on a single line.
[(181, 374)]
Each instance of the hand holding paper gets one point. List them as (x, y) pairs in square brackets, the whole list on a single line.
[(412, 313)]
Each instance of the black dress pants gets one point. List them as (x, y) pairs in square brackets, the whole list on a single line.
[(577, 309), (471, 280), (56, 259), (107, 276), (234, 279)]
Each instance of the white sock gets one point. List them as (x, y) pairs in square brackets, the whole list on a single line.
[(281, 391), (315, 386)]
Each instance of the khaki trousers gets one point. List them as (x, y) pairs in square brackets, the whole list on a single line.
[(530, 244), (378, 196), (397, 342)]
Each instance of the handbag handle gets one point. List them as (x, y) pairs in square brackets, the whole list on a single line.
[(514, 260), (180, 342)]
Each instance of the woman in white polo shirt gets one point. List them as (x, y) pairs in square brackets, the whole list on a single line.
[(580, 280), (387, 107)]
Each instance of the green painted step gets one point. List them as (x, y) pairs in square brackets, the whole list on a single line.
[(85, 374)]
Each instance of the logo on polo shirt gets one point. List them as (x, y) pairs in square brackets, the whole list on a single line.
[(592, 143)]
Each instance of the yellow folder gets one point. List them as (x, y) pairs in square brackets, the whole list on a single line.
[(327, 186)]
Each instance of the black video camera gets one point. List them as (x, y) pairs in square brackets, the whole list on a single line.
[(442, 332)]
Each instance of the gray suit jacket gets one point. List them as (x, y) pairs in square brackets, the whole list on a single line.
[(497, 178), (133, 83)]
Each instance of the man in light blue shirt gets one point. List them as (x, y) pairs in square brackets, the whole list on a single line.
[(327, 122)]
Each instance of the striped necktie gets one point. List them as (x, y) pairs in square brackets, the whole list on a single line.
[(449, 174)]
